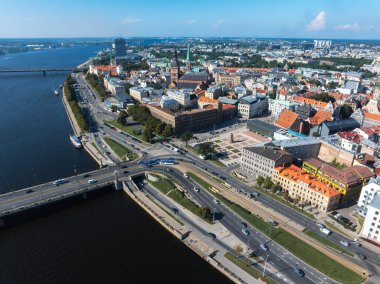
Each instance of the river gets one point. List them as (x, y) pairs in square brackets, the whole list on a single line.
[(104, 239)]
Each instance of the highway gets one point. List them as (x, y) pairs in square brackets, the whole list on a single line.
[(372, 263), (279, 258)]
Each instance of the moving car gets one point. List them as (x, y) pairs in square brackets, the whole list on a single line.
[(175, 210), (196, 189), (186, 175), (244, 224), (343, 242), (299, 272), (245, 232), (211, 236), (92, 181), (325, 231), (216, 201), (29, 191), (362, 256), (320, 225), (264, 247), (58, 182)]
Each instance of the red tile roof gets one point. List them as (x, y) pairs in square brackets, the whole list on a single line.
[(286, 119)]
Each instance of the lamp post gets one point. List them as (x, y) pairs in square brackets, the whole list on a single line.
[(213, 214), (265, 265)]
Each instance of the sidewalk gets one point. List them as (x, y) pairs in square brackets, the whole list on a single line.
[(268, 213)]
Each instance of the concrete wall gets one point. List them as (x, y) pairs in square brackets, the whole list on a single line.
[(329, 152)]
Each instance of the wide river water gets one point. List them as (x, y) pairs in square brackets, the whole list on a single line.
[(105, 239)]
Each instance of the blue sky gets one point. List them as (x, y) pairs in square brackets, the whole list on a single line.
[(252, 18)]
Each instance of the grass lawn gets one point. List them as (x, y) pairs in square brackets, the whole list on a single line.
[(165, 210), (283, 201), (327, 242), (217, 163), (251, 270), (96, 147), (335, 228), (126, 128), (120, 150), (168, 188), (299, 248)]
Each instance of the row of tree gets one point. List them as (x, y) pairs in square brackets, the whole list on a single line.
[(97, 82), (70, 97), (152, 125)]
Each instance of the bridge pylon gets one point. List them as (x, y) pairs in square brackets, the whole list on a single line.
[(117, 183)]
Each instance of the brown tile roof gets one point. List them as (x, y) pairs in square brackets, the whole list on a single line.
[(371, 116), (286, 119), (348, 176), (298, 99), (320, 117)]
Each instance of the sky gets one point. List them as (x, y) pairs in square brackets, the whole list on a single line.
[(332, 19)]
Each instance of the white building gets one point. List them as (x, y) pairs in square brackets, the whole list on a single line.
[(369, 191), (181, 96), (252, 106), (114, 85), (138, 93), (277, 106), (169, 103), (371, 226)]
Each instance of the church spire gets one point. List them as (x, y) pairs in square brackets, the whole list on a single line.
[(188, 53)]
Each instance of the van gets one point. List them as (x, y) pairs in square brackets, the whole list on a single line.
[(325, 231)]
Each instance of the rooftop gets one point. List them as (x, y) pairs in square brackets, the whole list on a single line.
[(268, 152), (286, 119), (296, 174)]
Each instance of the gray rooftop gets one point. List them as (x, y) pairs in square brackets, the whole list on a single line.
[(268, 152)]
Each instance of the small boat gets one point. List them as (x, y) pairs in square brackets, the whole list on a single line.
[(75, 140), (56, 92), (60, 86)]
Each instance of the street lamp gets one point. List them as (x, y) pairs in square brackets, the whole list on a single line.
[(265, 265), (213, 214)]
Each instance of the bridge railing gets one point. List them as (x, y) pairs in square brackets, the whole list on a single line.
[(46, 200)]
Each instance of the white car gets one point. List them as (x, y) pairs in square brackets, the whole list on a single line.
[(321, 225), (216, 201), (264, 247), (186, 175), (346, 244), (196, 189), (92, 181)]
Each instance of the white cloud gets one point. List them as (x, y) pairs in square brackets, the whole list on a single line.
[(190, 22), (217, 24), (129, 21), (348, 27), (318, 23)]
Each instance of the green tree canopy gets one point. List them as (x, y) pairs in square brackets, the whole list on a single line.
[(186, 136)]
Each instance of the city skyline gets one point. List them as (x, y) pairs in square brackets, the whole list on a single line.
[(295, 19)]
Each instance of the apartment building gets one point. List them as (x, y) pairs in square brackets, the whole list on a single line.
[(349, 181), (213, 92), (181, 96), (252, 106), (138, 93), (367, 194), (261, 161), (305, 187), (371, 226)]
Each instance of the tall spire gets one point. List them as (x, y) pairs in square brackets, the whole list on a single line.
[(188, 53)]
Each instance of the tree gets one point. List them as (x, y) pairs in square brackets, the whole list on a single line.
[(168, 131), (272, 96), (297, 200), (286, 196), (267, 183), (159, 128), (148, 135), (122, 119), (238, 249), (346, 111), (186, 136), (205, 213), (259, 180), (206, 149), (323, 97), (332, 85), (274, 188)]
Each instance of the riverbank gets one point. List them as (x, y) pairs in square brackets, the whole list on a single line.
[(187, 236), (94, 153)]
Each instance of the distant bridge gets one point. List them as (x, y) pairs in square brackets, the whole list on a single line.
[(43, 70)]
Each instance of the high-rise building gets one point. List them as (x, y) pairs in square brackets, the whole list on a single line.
[(120, 47)]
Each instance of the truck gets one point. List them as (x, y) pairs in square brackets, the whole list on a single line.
[(325, 231)]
